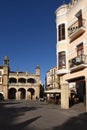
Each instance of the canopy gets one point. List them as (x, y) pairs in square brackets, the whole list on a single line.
[(53, 91)]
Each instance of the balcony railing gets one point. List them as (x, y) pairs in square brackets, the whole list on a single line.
[(76, 29), (78, 62), (21, 84), (61, 71)]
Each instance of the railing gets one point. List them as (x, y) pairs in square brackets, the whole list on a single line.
[(75, 26), (78, 61), (22, 84), (20, 74)]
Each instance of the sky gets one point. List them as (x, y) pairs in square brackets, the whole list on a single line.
[(28, 34)]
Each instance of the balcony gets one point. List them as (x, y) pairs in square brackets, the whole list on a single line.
[(76, 29), (78, 63), (61, 71)]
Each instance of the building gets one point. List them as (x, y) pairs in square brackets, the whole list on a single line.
[(18, 85), (1, 84), (71, 50), (52, 85), (51, 79)]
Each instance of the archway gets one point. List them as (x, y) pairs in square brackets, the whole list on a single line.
[(31, 80), (22, 80), (32, 92), (12, 93), (1, 96), (22, 93), (12, 80)]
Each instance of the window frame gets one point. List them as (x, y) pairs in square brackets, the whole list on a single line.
[(61, 30), (62, 60)]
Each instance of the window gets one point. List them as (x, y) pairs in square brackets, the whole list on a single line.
[(0, 79), (0, 72), (79, 16), (62, 60), (61, 29), (80, 50)]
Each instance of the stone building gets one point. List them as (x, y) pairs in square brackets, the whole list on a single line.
[(71, 49), (18, 85), (51, 79), (52, 85)]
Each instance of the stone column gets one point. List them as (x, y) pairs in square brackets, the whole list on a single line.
[(48, 97), (28, 94), (18, 93), (5, 90), (65, 95)]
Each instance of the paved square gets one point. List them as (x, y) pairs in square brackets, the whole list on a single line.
[(35, 115)]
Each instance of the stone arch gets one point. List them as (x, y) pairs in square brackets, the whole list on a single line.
[(1, 96), (12, 80), (32, 93), (12, 93), (22, 80), (31, 80), (22, 93)]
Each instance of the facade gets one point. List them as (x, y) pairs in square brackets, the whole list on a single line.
[(51, 79), (71, 50), (52, 85), (1, 84), (18, 85)]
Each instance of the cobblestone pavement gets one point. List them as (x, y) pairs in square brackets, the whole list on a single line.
[(35, 115)]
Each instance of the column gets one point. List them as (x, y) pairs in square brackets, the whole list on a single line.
[(28, 94), (48, 97), (65, 95), (18, 95), (5, 90)]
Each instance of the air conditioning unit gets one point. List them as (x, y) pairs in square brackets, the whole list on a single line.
[(78, 59), (74, 60)]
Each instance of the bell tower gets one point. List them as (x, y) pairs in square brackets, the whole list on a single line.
[(37, 70), (5, 77), (6, 61)]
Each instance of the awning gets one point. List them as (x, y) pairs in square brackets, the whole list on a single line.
[(53, 91)]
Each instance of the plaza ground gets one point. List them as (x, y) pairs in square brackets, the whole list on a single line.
[(36, 115)]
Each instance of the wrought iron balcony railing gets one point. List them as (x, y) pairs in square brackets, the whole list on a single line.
[(76, 61), (76, 28)]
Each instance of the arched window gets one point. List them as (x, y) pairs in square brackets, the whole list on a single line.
[(22, 80), (12, 80), (31, 80)]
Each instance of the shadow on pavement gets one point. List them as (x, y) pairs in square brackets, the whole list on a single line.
[(74, 123), (8, 116)]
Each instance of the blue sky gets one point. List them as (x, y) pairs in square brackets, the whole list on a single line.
[(28, 34)]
